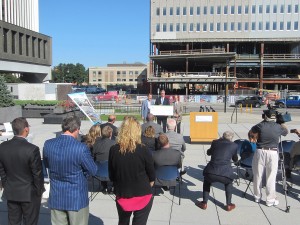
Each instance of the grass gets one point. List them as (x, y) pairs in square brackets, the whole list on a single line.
[(120, 117)]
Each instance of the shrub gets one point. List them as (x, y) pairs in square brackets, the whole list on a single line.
[(6, 99)]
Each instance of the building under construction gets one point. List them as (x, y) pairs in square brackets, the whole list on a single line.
[(206, 46)]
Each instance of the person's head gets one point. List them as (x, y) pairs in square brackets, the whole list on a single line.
[(20, 126), (162, 93), (252, 136), (129, 135), (176, 98), (149, 97), (150, 117), (107, 132), (94, 132), (270, 115), (163, 141), (111, 118), (149, 132), (71, 125), (171, 124), (228, 135)]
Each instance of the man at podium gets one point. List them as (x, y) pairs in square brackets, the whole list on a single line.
[(162, 100)]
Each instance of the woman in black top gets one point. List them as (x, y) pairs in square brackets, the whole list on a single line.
[(148, 139)]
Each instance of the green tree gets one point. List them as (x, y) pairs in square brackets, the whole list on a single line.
[(9, 78), (5, 98), (69, 73)]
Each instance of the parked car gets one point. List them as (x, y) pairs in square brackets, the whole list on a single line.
[(271, 96), (290, 101), (255, 101), (107, 96)]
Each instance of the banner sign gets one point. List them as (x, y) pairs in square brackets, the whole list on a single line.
[(83, 103)]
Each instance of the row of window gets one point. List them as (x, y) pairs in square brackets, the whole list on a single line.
[(228, 10), (120, 80), (233, 26), (119, 72)]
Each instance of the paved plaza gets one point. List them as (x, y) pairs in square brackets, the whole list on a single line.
[(166, 209)]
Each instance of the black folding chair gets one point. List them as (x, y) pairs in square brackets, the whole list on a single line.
[(102, 175)]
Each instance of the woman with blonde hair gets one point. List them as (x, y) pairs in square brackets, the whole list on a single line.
[(148, 139), (131, 169), (92, 135)]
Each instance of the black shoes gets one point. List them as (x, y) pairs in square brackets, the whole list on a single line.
[(182, 172)]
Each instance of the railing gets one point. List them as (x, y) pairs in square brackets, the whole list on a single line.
[(194, 74), (234, 111), (268, 56), (193, 52)]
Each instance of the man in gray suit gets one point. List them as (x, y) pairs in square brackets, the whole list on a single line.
[(176, 140), (177, 110), (158, 129)]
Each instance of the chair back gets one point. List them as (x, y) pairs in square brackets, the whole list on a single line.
[(167, 173), (286, 146), (45, 173), (102, 172), (240, 142), (246, 152)]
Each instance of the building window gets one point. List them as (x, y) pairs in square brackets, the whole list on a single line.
[(94, 73), (171, 27), (232, 9), (191, 27), (177, 27), (296, 25), (288, 25), (218, 26), (198, 10), (164, 27), (253, 26), (289, 9), (118, 79), (13, 42), (123, 79), (130, 79), (123, 72), (191, 11), (135, 79), (219, 10), (267, 25), (184, 27), (205, 27), (239, 26), (178, 11), (118, 72), (212, 10), (171, 11), (198, 27), (99, 79), (99, 72), (274, 8), (253, 9), (33, 46), (157, 11), (157, 27), (239, 9), (211, 26), (136, 72), (282, 9), (225, 27), (246, 9), (130, 72), (232, 26), (246, 26), (260, 25), (296, 8), (164, 11), (205, 10), (268, 9), (274, 25), (225, 10), (281, 26), (260, 9), (184, 11)]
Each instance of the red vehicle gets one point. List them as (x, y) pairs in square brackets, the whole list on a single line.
[(107, 96)]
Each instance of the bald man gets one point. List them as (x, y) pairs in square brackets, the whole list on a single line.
[(111, 120), (176, 140)]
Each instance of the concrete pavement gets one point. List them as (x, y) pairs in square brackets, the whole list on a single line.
[(166, 209)]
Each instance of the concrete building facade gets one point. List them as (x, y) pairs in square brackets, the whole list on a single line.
[(255, 41), (23, 50), (134, 75)]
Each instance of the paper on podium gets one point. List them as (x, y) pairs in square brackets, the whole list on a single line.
[(161, 110)]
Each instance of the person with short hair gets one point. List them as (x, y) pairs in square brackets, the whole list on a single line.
[(219, 169), (162, 100), (178, 111), (145, 109), (148, 139), (150, 122), (21, 176), (70, 164), (175, 139), (110, 122)]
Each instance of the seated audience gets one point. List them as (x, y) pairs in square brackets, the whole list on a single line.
[(91, 137), (150, 118), (148, 139), (176, 140), (219, 169), (110, 122)]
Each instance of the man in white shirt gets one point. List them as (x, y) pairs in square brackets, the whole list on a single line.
[(146, 107)]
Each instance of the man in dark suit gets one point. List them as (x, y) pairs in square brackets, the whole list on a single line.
[(21, 175), (70, 164), (219, 168), (162, 100), (111, 120)]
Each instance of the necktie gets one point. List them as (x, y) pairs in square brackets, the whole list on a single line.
[(162, 100)]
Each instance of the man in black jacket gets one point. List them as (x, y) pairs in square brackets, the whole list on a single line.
[(219, 168), (21, 175), (162, 100), (111, 120)]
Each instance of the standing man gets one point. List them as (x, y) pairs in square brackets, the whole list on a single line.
[(146, 107), (111, 120), (162, 100), (178, 110), (70, 163), (21, 176), (266, 156)]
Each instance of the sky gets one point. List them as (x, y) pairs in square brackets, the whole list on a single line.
[(96, 32)]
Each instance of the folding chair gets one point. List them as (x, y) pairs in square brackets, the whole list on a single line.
[(102, 175), (168, 176), (284, 149), (46, 180)]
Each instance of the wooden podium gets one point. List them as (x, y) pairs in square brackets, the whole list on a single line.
[(203, 126)]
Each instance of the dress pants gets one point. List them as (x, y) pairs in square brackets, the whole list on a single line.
[(178, 124), (162, 120), (140, 217), (26, 211), (265, 160), (61, 217), (211, 178)]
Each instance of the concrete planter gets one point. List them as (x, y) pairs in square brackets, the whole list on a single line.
[(8, 114), (36, 111)]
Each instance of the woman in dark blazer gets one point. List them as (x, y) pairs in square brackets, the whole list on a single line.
[(219, 168), (148, 139), (131, 169)]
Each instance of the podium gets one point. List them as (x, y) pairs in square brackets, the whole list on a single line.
[(203, 126)]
